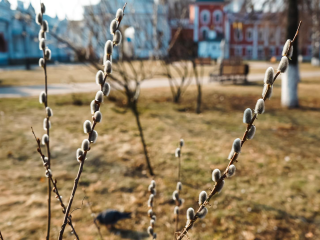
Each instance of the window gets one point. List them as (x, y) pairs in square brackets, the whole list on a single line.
[(238, 51), (238, 34), (249, 35), (204, 31), (272, 51), (260, 53), (3, 43), (217, 16), (249, 52), (261, 35), (271, 35), (205, 17)]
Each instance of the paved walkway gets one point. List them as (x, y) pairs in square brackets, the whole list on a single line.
[(25, 91)]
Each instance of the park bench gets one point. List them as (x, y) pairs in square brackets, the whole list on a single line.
[(230, 70), (203, 61)]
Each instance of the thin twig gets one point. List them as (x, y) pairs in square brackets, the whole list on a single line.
[(233, 159), (1, 236), (76, 181), (54, 182)]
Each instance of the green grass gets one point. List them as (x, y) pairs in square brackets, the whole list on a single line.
[(269, 197)]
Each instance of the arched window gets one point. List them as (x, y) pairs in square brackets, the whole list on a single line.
[(249, 34), (260, 35), (238, 36), (204, 31), (205, 17), (217, 16)]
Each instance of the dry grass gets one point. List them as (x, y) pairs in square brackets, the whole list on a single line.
[(273, 195)]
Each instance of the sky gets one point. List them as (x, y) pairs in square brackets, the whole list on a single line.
[(72, 9)]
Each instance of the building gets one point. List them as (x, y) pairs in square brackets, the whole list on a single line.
[(19, 42)]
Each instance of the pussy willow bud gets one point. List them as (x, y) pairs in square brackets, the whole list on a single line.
[(87, 127), (97, 116), (48, 173), (176, 210), (85, 145), (286, 47), (42, 34), (181, 143), (231, 171), (247, 116), (45, 121), (268, 76), (175, 195), (202, 197), (45, 26), (42, 97), (99, 97), (150, 231), (187, 224), (108, 67), (283, 65), (178, 152), (80, 154), (117, 38), (220, 186), (216, 175), (231, 154), (179, 186), (290, 53), (49, 112), (259, 109), (150, 203), (151, 197), (45, 139), (93, 136), (41, 62), (43, 8), (154, 236), (190, 213), (153, 183), (99, 77), (47, 54), (152, 222), (113, 26), (39, 18), (150, 213), (119, 14), (202, 213), (251, 132), (108, 47), (106, 89), (154, 217), (237, 145), (267, 90), (42, 44), (94, 107)]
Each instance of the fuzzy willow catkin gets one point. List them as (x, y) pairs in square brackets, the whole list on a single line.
[(106, 89), (41, 62), (93, 136), (231, 170), (286, 47), (113, 26), (190, 213), (97, 116), (216, 175), (202, 197), (85, 145), (247, 116), (236, 146), (43, 8), (39, 18), (45, 26), (178, 152), (94, 106), (99, 77), (87, 127), (42, 97), (181, 143), (251, 132), (179, 186), (49, 112), (283, 65), (45, 123), (202, 213), (259, 109), (220, 186), (47, 54), (108, 67), (119, 14), (45, 139), (99, 97), (175, 195), (117, 38), (42, 44), (108, 47), (80, 154), (268, 76), (42, 34)]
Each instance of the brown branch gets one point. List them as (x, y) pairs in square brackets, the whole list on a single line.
[(76, 181), (232, 160), (1, 236)]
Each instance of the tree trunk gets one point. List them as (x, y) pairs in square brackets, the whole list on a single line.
[(291, 78), (177, 96), (315, 33), (198, 109), (136, 114)]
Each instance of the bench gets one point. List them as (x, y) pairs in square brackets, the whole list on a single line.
[(230, 71), (203, 61)]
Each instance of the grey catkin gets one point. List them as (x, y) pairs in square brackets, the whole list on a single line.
[(42, 44), (152, 222), (99, 97), (43, 8), (231, 154), (150, 213), (154, 236), (283, 65), (45, 139), (251, 132), (268, 76), (216, 175), (267, 91), (94, 106), (202, 197), (48, 173), (113, 26), (97, 116), (42, 34), (286, 48), (259, 109), (220, 186), (202, 213), (153, 183), (108, 67), (176, 210), (39, 18), (150, 203), (119, 14), (179, 186), (247, 116), (117, 38), (45, 121), (80, 154), (45, 26), (41, 62), (42, 97), (99, 77), (93, 136), (231, 171), (47, 54), (178, 152), (150, 231), (87, 127), (85, 145), (106, 89), (49, 112), (190, 213), (108, 48), (181, 142), (175, 195), (236, 146)]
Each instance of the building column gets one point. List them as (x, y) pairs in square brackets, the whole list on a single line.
[(196, 24), (255, 42), (227, 38)]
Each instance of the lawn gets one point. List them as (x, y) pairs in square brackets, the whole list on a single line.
[(272, 196)]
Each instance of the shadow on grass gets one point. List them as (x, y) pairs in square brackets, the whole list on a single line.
[(129, 234)]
